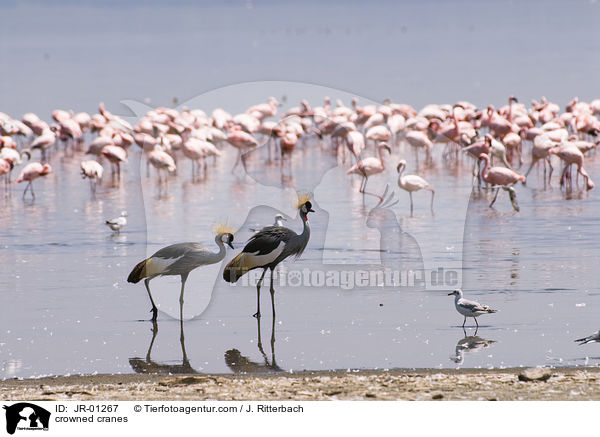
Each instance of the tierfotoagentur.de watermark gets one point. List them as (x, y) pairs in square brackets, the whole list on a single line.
[(356, 278)]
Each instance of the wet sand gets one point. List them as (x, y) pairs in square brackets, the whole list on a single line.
[(469, 384)]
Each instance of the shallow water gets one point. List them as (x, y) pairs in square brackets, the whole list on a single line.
[(67, 305), (70, 309)]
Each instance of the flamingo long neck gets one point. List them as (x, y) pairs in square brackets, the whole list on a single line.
[(400, 171), (484, 172), (381, 158)]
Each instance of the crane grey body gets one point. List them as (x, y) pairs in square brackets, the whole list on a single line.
[(178, 260), (265, 250)]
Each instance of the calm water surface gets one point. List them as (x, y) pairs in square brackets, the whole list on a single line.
[(70, 309), (67, 307)]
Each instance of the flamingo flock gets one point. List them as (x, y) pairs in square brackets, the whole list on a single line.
[(371, 136)]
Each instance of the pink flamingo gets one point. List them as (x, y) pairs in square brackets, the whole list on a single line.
[(5, 168), (355, 141), (116, 156), (369, 166), (571, 154), (242, 141), (264, 110), (93, 171), (419, 140), (161, 160), (501, 177), (44, 142), (198, 150), (31, 172), (499, 126)]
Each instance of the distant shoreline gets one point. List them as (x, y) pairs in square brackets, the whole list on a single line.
[(578, 383)]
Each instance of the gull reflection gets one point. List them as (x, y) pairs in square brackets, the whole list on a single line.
[(469, 344), (241, 364), (140, 365)]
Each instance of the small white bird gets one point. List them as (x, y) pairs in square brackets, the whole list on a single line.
[(594, 338), (118, 222), (469, 308), (412, 183), (279, 219)]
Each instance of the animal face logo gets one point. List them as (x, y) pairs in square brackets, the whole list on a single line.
[(26, 416)]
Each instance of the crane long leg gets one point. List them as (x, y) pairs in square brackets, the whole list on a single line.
[(183, 279), (154, 309), (476, 322), (185, 359), (257, 313), (259, 341), (465, 321), (154, 332), (272, 290)]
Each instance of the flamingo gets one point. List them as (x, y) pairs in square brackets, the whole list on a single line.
[(369, 166), (116, 156), (501, 177), (571, 154), (92, 170), (412, 183), (31, 172), (355, 141), (264, 110), (541, 151), (161, 160), (198, 150), (242, 141), (5, 168), (44, 142), (419, 140)]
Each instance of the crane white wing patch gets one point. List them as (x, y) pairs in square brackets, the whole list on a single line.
[(157, 265), (255, 260)]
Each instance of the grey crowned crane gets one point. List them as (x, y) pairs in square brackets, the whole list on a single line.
[(267, 248), (180, 259)]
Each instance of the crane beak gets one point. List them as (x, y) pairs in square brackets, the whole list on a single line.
[(230, 244), (311, 210), (450, 294)]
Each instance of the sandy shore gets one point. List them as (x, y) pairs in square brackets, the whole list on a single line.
[(506, 384)]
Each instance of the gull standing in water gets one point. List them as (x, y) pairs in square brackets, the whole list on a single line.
[(279, 219), (594, 338), (118, 222), (469, 308), (179, 260)]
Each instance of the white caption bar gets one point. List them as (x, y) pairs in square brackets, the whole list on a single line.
[(347, 418)]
